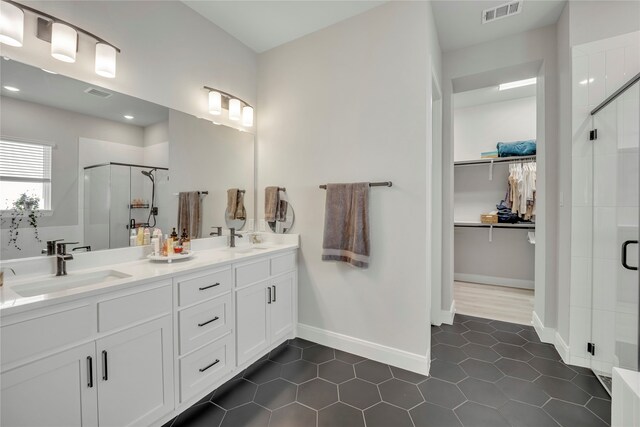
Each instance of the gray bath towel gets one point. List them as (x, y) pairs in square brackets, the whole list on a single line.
[(190, 213), (270, 203), (235, 204), (346, 224)]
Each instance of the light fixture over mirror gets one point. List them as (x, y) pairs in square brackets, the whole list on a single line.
[(11, 24), (62, 35), (238, 109)]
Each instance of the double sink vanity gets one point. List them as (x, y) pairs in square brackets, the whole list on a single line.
[(118, 342)]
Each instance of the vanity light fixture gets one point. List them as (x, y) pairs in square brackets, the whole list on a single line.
[(238, 109), (62, 35), (11, 24), (518, 83), (234, 109)]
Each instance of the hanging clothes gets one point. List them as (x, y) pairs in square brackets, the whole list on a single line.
[(520, 198)]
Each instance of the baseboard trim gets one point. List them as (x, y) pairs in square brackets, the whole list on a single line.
[(492, 280), (378, 352), (446, 316), (544, 333), (561, 347)]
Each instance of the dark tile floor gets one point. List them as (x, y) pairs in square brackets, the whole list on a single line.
[(483, 373)]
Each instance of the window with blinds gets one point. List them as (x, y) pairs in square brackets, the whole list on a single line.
[(24, 168)]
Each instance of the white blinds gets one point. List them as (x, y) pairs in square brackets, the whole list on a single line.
[(21, 161)]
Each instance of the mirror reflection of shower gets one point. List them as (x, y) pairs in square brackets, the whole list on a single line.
[(153, 210)]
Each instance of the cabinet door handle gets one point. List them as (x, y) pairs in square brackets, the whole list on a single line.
[(90, 371), (208, 366), (210, 286), (624, 254), (274, 292), (105, 375), (269, 288), (208, 321)]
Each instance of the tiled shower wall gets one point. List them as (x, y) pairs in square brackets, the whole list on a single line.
[(604, 203)]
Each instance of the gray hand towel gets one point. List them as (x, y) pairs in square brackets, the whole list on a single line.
[(270, 203), (283, 206), (232, 202), (346, 224), (190, 213), (241, 212)]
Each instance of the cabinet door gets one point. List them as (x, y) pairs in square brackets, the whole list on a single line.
[(252, 321), (281, 307), (135, 374), (55, 391)]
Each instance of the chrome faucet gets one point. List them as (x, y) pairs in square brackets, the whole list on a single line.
[(232, 237), (63, 257)]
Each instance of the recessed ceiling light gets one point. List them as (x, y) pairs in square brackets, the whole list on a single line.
[(48, 71), (585, 81), (12, 89), (519, 83), (128, 117)]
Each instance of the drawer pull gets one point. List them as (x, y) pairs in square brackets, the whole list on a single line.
[(208, 321), (90, 371), (207, 367), (210, 286), (274, 292)]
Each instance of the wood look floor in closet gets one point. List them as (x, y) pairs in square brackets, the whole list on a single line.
[(494, 302)]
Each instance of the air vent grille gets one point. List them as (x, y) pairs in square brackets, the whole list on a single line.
[(97, 92), (502, 11)]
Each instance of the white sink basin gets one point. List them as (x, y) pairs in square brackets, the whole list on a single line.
[(56, 284), (248, 249)]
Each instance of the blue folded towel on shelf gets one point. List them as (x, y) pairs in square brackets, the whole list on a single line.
[(517, 148)]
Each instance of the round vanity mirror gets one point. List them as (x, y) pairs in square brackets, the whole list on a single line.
[(233, 223), (283, 226)]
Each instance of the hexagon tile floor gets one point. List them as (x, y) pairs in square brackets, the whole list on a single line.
[(483, 373)]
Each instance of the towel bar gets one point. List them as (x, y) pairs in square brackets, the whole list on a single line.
[(371, 184)]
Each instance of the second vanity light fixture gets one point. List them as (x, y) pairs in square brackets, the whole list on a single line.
[(62, 35), (238, 109)]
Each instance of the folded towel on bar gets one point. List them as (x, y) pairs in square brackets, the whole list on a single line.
[(270, 203), (517, 148), (346, 224), (235, 204), (190, 213)]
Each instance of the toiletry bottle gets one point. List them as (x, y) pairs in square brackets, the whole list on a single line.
[(133, 238), (184, 241), (146, 238), (140, 239), (165, 246), (174, 235), (155, 243)]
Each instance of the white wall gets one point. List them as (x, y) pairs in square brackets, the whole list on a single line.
[(168, 51), (520, 50), (350, 103), (479, 128)]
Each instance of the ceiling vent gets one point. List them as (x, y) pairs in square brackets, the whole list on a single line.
[(97, 92), (502, 11)]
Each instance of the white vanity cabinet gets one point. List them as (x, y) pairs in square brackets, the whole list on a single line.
[(266, 299), (119, 374)]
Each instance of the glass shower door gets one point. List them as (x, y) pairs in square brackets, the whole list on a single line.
[(616, 161)]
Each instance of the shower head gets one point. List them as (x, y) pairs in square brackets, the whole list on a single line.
[(148, 174)]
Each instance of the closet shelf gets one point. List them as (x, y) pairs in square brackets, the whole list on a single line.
[(531, 226), (495, 160)]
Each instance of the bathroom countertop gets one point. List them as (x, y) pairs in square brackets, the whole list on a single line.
[(142, 271)]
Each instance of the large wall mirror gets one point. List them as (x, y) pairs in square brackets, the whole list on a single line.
[(100, 163)]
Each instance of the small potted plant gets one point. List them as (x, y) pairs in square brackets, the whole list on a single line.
[(25, 209)]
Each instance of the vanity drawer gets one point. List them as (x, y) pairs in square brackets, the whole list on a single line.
[(31, 337), (204, 285), (253, 272), (283, 263), (205, 322), (122, 311), (200, 370)]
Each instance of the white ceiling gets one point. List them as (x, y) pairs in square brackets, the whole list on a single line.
[(459, 22), (263, 25), (55, 90), (488, 95)]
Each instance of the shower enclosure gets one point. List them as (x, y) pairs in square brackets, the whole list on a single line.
[(615, 158), (119, 197)]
